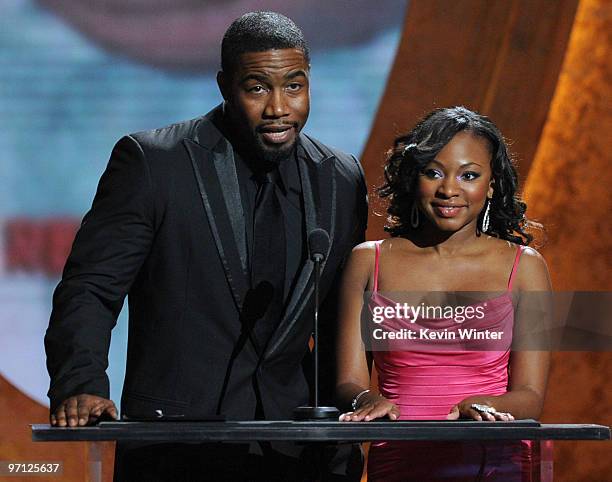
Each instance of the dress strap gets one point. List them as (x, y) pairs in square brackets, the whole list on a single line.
[(376, 262), (519, 251)]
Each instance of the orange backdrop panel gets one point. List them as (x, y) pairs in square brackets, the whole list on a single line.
[(18, 411), (568, 189)]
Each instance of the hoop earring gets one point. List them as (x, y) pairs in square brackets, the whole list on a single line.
[(414, 216), (486, 218)]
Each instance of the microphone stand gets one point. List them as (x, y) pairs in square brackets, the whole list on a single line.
[(317, 412), (316, 327)]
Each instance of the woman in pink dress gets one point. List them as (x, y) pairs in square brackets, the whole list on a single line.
[(456, 225)]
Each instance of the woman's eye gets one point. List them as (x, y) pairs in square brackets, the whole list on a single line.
[(470, 175), (431, 173)]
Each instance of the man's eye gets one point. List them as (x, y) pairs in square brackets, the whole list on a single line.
[(431, 173), (470, 175), (294, 86), (257, 89)]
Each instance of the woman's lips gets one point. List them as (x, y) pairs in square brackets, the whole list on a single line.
[(447, 211)]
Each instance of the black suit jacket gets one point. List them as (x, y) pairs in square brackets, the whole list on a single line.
[(166, 229)]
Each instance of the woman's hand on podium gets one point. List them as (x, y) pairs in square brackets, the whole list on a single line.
[(468, 408), (82, 410), (372, 407)]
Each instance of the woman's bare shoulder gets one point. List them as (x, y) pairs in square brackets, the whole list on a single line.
[(364, 247), (503, 248), (397, 245), (363, 254), (529, 256), (532, 271), (360, 265)]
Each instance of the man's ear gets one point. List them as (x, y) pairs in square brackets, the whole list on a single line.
[(223, 83)]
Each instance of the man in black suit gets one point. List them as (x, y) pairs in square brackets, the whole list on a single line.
[(204, 226)]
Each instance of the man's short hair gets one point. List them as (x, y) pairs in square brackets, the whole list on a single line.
[(257, 32)]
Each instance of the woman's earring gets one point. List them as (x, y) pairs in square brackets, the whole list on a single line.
[(485, 218), (414, 216)]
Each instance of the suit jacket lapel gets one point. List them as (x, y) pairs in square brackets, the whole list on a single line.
[(213, 165), (317, 175)]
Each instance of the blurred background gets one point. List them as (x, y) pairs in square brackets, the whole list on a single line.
[(75, 75)]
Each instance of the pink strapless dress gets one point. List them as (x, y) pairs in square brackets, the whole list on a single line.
[(426, 384)]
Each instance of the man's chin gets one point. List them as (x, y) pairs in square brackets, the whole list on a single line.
[(276, 154)]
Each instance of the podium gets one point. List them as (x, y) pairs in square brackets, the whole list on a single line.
[(319, 432)]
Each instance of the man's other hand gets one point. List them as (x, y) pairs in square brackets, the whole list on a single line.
[(82, 410)]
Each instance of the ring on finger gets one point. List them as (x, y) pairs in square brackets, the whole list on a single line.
[(483, 408)]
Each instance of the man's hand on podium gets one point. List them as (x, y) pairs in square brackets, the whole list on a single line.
[(82, 410)]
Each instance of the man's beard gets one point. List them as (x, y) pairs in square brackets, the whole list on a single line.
[(272, 155), (251, 145)]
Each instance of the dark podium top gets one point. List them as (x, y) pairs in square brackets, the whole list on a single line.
[(332, 431)]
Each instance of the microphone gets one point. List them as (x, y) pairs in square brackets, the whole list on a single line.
[(318, 245)]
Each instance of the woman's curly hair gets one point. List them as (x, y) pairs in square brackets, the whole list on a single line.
[(413, 151)]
